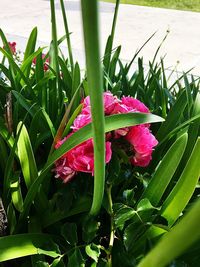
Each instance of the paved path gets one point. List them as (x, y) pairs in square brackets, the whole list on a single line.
[(135, 24)]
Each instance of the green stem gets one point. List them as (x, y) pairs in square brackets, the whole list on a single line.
[(174, 243), (67, 35), (112, 229), (95, 84)]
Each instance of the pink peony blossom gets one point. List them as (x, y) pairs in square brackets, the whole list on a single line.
[(81, 121), (134, 104), (109, 103), (79, 159), (143, 143)]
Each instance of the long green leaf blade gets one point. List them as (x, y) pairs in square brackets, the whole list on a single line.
[(183, 190), (165, 171), (174, 243), (17, 246), (26, 157)]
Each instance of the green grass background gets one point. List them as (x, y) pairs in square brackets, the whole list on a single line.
[(192, 5)]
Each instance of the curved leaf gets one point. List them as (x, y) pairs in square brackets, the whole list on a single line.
[(183, 190), (16, 246), (174, 243), (26, 157), (165, 171)]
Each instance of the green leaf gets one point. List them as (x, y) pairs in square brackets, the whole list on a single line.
[(173, 117), (193, 132), (30, 47), (174, 243), (16, 246), (184, 189), (123, 214), (90, 228), (144, 204), (76, 259), (69, 232), (80, 206), (41, 264), (5, 43), (11, 218), (26, 66), (57, 263), (70, 54), (132, 233), (93, 251), (165, 171), (8, 138), (24, 103), (17, 70), (26, 157), (16, 192), (71, 120)]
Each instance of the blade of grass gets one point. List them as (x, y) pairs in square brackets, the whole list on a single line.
[(109, 45), (67, 35), (173, 117)]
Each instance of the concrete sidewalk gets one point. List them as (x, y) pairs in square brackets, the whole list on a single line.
[(135, 24)]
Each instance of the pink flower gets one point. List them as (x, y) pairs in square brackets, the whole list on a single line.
[(79, 159), (109, 103), (46, 67), (143, 143), (134, 104), (12, 46), (81, 121)]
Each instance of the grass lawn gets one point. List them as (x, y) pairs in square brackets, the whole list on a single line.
[(193, 5)]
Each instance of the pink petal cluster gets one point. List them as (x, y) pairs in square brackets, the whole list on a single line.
[(46, 66), (81, 158), (78, 159), (12, 46)]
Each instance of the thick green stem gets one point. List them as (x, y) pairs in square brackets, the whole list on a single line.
[(67, 35), (95, 83), (174, 243)]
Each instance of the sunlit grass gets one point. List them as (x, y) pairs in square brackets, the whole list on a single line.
[(192, 5)]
